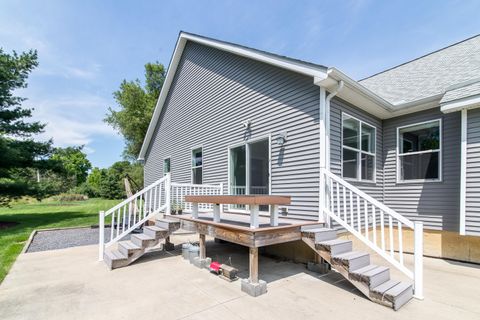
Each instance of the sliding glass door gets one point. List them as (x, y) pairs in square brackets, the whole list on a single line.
[(250, 169)]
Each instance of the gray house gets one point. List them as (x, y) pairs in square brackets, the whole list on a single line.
[(407, 138)]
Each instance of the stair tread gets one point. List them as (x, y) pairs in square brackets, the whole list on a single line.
[(370, 270), (316, 230), (333, 242), (143, 236), (115, 255), (155, 228), (351, 255), (387, 285), (398, 289), (129, 245)]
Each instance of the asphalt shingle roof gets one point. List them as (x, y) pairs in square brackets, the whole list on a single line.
[(469, 90), (429, 75)]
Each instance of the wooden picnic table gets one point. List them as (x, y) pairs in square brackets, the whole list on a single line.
[(252, 201)]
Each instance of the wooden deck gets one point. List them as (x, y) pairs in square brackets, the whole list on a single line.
[(235, 227)]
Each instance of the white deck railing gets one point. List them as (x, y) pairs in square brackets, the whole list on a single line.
[(180, 190), (375, 224)]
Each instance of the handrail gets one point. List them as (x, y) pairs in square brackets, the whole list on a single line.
[(143, 191), (369, 198), (352, 209)]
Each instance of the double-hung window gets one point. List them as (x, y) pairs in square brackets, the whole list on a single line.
[(419, 152), (166, 166), (358, 149), (197, 166)]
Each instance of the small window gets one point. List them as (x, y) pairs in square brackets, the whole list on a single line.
[(166, 166), (197, 166), (419, 148), (358, 149)]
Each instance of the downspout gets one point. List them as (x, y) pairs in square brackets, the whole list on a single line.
[(324, 132)]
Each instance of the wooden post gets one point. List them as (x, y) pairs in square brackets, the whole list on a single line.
[(274, 215), (203, 249), (253, 265), (254, 216)]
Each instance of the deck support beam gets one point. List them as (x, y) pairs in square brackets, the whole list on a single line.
[(203, 249), (253, 265)]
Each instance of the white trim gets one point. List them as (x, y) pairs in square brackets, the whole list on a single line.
[(471, 102), (359, 151), (463, 171), (439, 150)]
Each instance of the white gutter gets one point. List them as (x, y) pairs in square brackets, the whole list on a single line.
[(463, 172), (327, 116)]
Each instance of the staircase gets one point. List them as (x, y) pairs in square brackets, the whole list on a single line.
[(151, 203), (372, 280), (130, 250)]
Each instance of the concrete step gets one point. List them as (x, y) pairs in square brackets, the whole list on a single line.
[(128, 248), (352, 260), (143, 240), (335, 247), (169, 224), (319, 234), (115, 259), (155, 232), (395, 292), (372, 275)]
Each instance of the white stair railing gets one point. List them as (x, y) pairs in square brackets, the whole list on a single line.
[(133, 212), (180, 190), (375, 225)]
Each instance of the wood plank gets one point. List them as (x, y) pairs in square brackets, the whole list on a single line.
[(203, 250), (253, 265), (242, 199)]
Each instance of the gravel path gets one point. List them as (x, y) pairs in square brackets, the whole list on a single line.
[(66, 238)]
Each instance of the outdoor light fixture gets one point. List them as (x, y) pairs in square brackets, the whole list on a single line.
[(247, 123), (281, 138)]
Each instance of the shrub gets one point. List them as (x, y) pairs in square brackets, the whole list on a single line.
[(66, 197)]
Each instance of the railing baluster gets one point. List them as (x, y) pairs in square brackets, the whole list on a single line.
[(382, 230), (390, 227), (374, 225), (112, 225), (332, 199), (338, 200), (365, 216), (359, 224), (123, 218), (351, 209), (118, 220), (400, 243), (344, 204), (129, 214)]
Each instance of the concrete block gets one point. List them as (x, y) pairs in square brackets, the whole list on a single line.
[(202, 263), (321, 267), (254, 289)]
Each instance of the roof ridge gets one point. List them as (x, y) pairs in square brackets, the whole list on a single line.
[(418, 58)]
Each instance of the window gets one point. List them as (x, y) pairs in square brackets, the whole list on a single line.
[(197, 164), (166, 166), (358, 149), (419, 147)]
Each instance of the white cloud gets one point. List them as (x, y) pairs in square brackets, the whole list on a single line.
[(73, 120)]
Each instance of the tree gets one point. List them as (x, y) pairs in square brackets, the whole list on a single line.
[(136, 105), (18, 150), (74, 162)]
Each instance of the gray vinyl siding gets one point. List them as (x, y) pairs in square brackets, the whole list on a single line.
[(434, 203), (213, 92), (337, 107), (472, 216)]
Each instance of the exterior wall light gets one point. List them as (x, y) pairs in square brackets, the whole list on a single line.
[(247, 123), (281, 138)]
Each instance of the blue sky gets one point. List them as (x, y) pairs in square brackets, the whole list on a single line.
[(86, 48)]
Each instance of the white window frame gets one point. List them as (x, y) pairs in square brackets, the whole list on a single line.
[(163, 165), (360, 151), (246, 143), (439, 150), (191, 162)]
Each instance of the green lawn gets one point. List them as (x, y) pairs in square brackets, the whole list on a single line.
[(43, 215)]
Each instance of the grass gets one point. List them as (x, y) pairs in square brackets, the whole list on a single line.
[(43, 215)]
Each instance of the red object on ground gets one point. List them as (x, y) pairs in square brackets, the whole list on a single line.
[(215, 266)]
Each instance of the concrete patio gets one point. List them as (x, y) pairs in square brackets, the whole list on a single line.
[(71, 284)]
